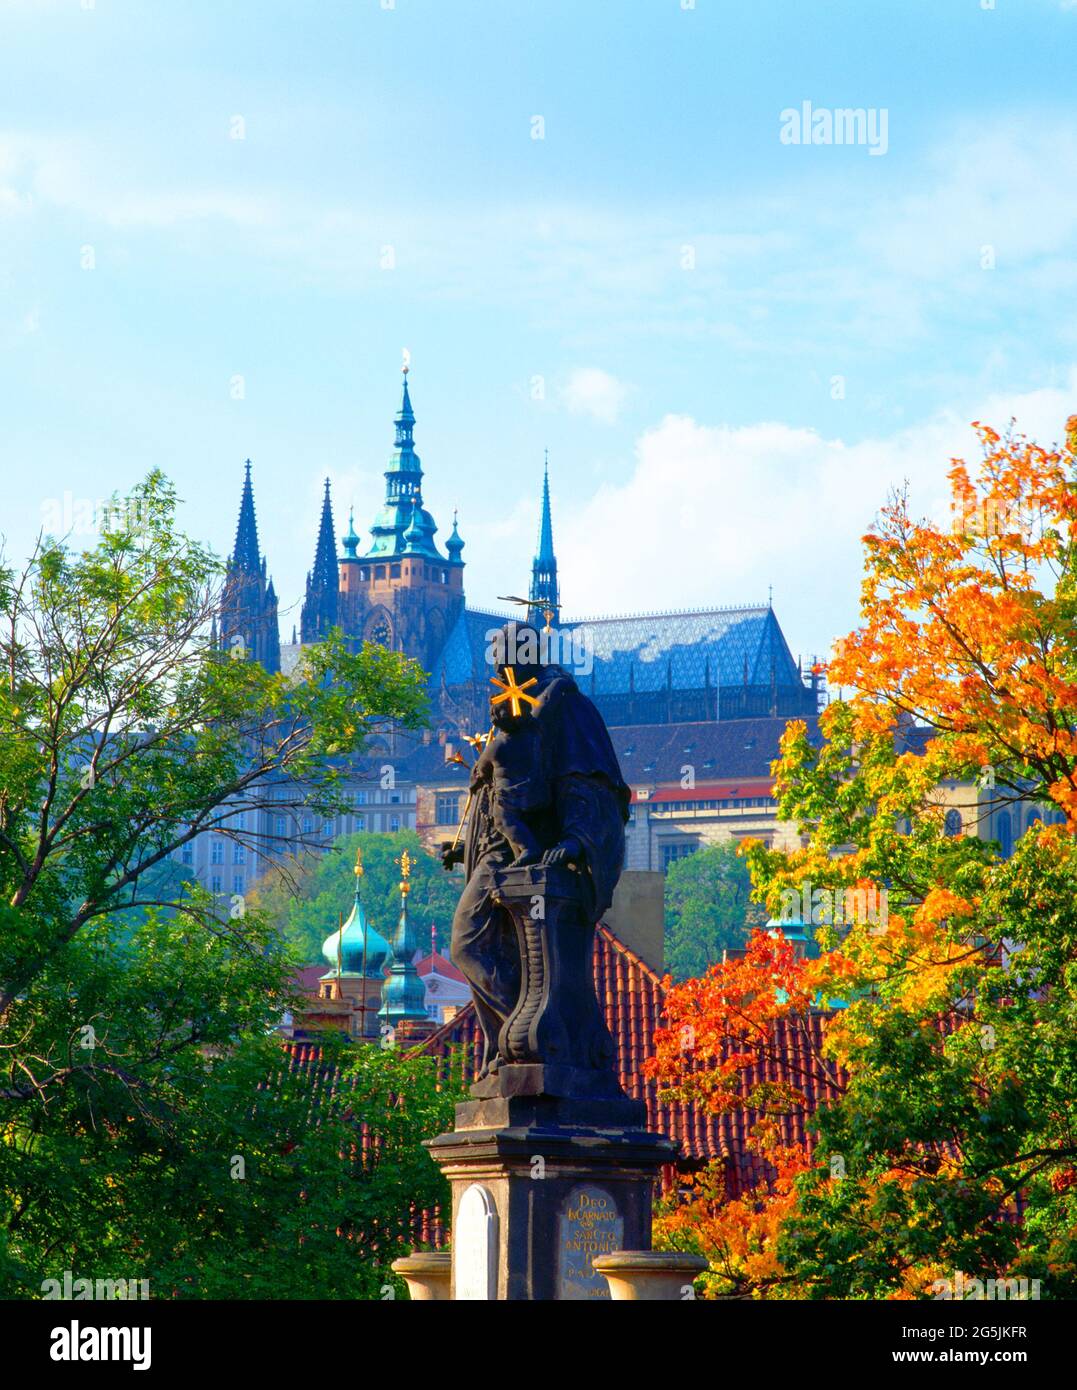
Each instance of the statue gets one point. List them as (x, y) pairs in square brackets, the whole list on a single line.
[(542, 853)]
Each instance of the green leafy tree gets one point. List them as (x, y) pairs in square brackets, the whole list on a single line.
[(708, 909), (135, 1010)]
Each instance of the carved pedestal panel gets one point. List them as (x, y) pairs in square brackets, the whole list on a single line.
[(552, 1182)]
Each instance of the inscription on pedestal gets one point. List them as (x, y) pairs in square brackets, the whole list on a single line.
[(589, 1224), (474, 1241)]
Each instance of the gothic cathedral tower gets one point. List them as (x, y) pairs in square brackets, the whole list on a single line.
[(403, 593)]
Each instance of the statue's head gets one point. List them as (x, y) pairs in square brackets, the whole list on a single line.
[(517, 649)]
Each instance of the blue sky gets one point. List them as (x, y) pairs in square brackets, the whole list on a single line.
[(732, 347)]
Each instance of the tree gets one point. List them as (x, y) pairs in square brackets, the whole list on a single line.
[(708, 909), (303, 896), (134, 1008), (951, 1147)]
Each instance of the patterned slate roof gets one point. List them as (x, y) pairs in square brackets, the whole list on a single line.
[(733, 646)]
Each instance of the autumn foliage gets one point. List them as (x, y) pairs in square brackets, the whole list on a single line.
[(947, 1142)]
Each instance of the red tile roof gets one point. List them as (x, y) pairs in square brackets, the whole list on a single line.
[(632, 995)]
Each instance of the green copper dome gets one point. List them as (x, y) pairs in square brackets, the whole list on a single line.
[(356, 937)]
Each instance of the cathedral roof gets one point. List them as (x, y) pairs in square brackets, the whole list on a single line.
[(686, 651)]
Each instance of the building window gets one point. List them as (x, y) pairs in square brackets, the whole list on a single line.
[(447, 808), (394, 823), (237, 883), (1005, 834), (240, 820), (327, 827), (215, 884), (953, 823), (360, 798), (239, 854), (360, 822), (282, 825), (308, 825), (187, 854), (676, 850), (216, 851)]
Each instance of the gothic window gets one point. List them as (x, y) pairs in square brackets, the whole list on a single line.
[(953, 823), (1005, 834), (381, 633)]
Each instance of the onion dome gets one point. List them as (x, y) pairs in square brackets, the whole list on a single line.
[(454, 545), (356, 944)]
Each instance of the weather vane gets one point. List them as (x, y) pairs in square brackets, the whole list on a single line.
[(547, 608)]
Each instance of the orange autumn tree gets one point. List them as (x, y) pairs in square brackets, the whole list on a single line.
[(953, 1146), (725, 1039)]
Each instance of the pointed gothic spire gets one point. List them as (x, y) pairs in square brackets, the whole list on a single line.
[(248, 613), (245, 554), (319, 611), (545, 592)]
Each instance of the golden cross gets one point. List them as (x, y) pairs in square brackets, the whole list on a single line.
[(510, 690), (358, 870), (405, 861)]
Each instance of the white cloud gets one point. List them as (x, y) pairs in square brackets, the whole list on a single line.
[(591, 391), (712, 515)]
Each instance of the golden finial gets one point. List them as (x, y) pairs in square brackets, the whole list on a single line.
[(405, 861), (358, 870), (511, 690)]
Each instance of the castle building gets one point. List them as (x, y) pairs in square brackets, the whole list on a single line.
[(407, 593)]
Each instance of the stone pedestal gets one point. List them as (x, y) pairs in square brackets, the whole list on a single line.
[(549, 1167), (650, 1275), (426, 1274)]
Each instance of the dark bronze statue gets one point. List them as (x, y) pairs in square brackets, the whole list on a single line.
[(542, 853)]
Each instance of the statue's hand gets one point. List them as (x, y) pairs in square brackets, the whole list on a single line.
[(568, 850), (451, 854)]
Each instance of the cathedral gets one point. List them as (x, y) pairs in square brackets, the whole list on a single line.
[(407, 593)]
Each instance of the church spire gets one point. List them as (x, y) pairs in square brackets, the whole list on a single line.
[(403, 495), (544, 588), (320, 606), (404, 994), (245, 555), (248, 611)]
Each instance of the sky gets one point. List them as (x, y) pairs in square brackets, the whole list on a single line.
[(588, 223)]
